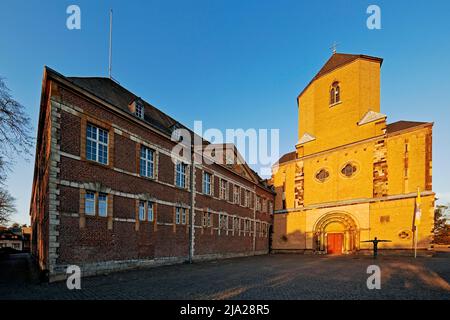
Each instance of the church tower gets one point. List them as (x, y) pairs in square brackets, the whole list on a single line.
[(341, 104), (352, 176)]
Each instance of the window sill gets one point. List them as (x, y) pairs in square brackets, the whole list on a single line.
[(147, 178), (181, 188), (96, 216), (107, 166), (335, 104)]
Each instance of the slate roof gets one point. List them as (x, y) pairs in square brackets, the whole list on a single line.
[(402, 125), (288, 157), (113, 93)]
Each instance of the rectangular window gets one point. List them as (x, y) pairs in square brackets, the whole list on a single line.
[(223, 189), (264, 205), (207, 183), (141, 210), (102, 205), (258, 203), (177, 215), (236, 224), (96, 144), (237, 195), (223, 222), (180, 179), (271, 207), (247, 198), (139, 110), (89, 204), (147, 162), (183, 215), (207, 219), (150, 213)]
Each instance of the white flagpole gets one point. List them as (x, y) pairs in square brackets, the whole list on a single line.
[(417, 217), (415, 241), (110, 43)]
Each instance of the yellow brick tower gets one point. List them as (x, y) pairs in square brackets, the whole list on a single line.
[(352, 177)]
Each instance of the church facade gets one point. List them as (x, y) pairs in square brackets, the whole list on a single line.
[(352, 176)]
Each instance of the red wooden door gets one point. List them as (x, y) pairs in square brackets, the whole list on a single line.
[(335, 241)]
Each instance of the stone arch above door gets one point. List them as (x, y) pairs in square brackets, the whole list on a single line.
[(337, 221)]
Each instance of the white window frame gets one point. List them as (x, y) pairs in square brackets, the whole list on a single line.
[(237, 195), (86, 200), (223, 221), (145, 162), (150, 211), (264, 205), (223, 188), (258, 203), (142, 210), (140, 110), (177, 215), (100, 204), (97, 143), (236, 224), (181, 174), (206, 219), (207, 183), (183, 216), (246, 198)]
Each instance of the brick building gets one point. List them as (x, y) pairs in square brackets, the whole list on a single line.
[(107, 195)]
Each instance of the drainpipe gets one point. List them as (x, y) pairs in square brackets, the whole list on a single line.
[(191, 212), (254, 222)]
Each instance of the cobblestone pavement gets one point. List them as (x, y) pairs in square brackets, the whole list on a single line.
[(261, 277)]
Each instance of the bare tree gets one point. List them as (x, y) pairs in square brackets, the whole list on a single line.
[(15, 129), (7, 206), (15, 140)]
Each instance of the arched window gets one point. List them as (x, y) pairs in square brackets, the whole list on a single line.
[(332, 96), (335, 93)]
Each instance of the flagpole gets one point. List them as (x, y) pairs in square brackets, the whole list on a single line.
[(110, 43), (417, 217), (415, 241)]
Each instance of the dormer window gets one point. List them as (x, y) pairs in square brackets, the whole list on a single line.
[(335, 93), (176, 133), (139, 110)]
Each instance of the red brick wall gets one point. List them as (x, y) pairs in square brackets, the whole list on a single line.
[(40, 190), (91, 240)]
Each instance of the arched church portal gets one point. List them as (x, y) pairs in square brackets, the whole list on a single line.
[(336, 233)]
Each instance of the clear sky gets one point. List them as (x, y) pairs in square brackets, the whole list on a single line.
[(232, 64)]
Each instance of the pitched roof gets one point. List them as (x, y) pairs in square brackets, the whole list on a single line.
[(288, 157), (403, 125), (338, 60), (118, 96), (113, 93)]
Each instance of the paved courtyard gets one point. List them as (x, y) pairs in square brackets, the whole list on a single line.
[(262, 277)]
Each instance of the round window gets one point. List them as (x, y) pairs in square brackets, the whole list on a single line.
[(322, 175), (404, 234), (349, 170)]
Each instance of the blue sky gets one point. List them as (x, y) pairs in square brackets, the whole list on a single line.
[(231, 64)]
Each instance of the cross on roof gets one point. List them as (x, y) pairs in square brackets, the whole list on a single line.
[(334, 47)]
